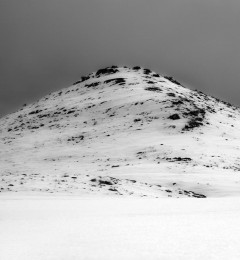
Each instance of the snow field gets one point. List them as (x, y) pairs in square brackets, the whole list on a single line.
[(53, 228)]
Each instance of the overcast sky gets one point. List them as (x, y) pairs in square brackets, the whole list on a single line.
[(46, 45)]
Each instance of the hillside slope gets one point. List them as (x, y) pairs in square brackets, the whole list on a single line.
[(122, 131)]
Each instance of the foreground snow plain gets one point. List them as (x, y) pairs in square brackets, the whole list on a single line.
[(44, 228)]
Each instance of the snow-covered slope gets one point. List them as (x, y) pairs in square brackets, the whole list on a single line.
[(125, 131)]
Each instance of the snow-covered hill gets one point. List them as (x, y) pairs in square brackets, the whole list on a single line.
[(122, 131)]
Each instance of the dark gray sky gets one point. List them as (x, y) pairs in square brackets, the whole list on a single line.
[(47, 45)]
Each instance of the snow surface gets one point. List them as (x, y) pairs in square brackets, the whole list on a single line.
[(82, 167), (54, 228)]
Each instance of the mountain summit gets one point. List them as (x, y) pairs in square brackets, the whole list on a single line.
[(122, 131)]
